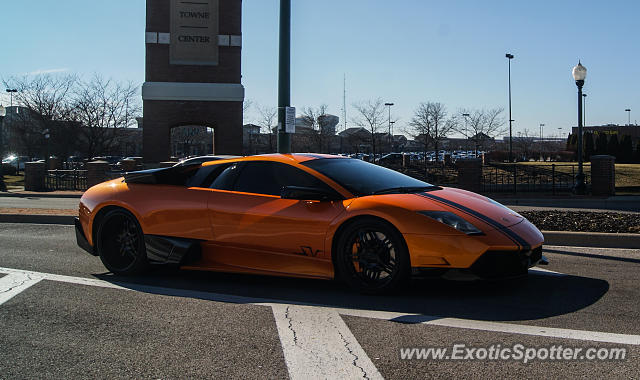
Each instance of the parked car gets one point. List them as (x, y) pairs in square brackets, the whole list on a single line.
[(302, 215), (13, 164)]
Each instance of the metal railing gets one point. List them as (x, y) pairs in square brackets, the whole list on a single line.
[(66, 180), (502, 177), (515, 178)]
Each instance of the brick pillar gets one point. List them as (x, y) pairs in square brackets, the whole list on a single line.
[(96, 172), (470, 174), (34, 174), (128, 165), (55, 163), (603, 175)]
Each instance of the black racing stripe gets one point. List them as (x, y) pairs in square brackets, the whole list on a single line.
[(471, 212), (497, 225)]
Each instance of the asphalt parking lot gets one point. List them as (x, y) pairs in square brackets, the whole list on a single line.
[(63, 316)]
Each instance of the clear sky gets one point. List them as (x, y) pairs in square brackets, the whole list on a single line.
[(404, 51)]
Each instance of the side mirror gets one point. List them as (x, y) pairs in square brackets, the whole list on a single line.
[(308, 194)]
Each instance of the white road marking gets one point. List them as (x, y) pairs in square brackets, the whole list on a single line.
[(511, 328), (317, 344), (541, 271), (503, 327), (15, 283)]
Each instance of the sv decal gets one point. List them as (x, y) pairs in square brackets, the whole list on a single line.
[(308, 251)]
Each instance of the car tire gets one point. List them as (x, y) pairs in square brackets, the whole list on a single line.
[(372, 257), (120, 243)]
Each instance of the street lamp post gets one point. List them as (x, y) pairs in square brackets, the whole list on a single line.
[(389, 105), (3, 113), (284, 76), (584, 109), (541, 140), (392, 124), (466, 132), (579, 73), (510, 57), (11, 91), (47, 136), (628, 111)]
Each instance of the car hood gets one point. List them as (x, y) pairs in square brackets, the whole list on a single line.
[(468, 204)]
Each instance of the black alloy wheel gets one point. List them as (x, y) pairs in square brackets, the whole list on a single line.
[(372, 257), (121, 243)]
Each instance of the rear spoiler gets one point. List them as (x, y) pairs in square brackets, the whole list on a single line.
[(174, 175)]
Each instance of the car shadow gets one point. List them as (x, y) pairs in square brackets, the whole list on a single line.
[(541, 295), (593, 256)]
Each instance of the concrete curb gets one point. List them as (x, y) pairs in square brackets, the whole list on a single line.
[(39, 195), (37, 219), (591, 239), (631, 203)]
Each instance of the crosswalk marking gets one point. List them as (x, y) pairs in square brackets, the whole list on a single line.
[(15, 283), (317, 344)]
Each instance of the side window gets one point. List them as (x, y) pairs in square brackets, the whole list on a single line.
[(258, 178), (270, 177), (198, 178), (225, 179), (206, 175)]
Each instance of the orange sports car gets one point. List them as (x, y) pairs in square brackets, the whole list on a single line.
[(303, 215)]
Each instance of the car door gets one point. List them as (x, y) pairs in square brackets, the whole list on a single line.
[(255, 229), (173, 203)]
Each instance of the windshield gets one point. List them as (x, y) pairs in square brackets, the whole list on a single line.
[(362, 178)]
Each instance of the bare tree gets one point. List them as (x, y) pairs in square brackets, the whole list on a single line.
[(246, 104), (483, 125), (188, 138), (313, 117), (430, 125), (421, 129), (268, 118), (102, 108), (370, 114), (524, 144), (47, 111)]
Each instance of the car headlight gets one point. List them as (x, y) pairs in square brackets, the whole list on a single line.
[(452, 220)]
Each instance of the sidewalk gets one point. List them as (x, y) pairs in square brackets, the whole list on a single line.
[(20, 192)]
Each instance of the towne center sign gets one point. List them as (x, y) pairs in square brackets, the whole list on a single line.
[(193, 55), (194, 33)]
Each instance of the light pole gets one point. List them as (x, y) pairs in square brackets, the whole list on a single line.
[(510, 57), (284, 76), (11, 91), (466, 132), (389, 105), (628, 111), (584, 109), (579, 73), (47, 136), (3, 113), (392, 124), (541, 140)]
